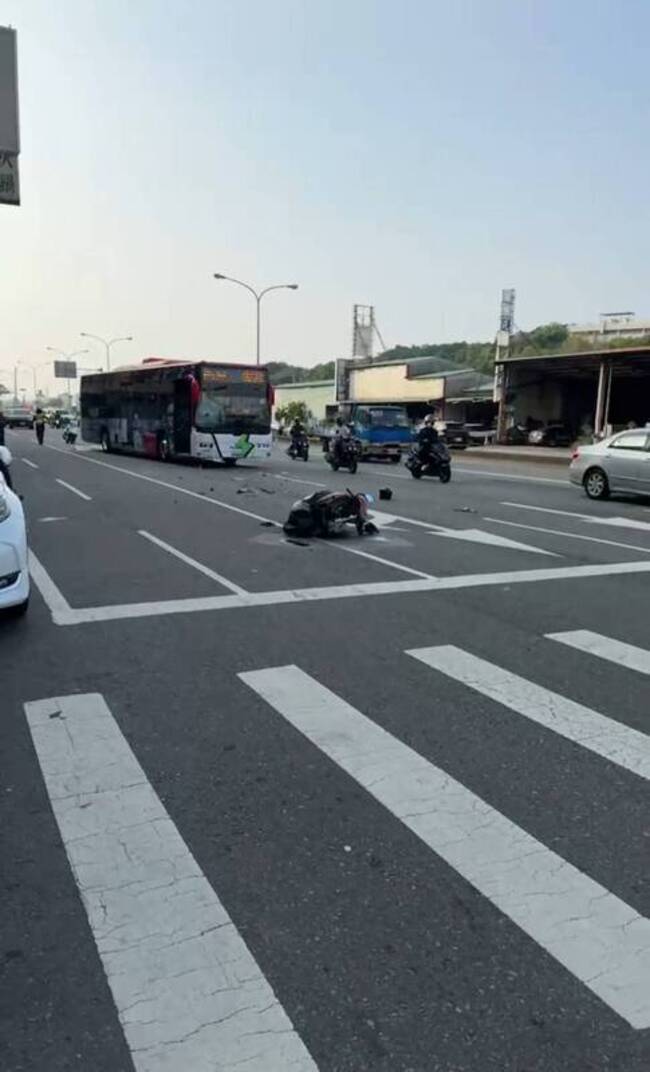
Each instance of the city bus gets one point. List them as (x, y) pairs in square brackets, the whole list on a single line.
[(180, 409)]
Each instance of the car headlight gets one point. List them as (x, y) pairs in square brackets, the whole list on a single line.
[(5, 509)]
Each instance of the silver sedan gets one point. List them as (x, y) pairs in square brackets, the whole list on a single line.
[(620, 463)]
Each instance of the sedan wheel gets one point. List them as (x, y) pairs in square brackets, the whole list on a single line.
[(595, 484)]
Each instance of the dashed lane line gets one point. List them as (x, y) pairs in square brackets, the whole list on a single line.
[(75, 491)]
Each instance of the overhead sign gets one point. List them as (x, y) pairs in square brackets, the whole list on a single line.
[(9, 181), (9, 130), (65, 370)]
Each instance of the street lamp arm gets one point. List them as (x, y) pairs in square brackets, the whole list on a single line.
[(279, 286), (240, 283), (97, 338), (121, 338)]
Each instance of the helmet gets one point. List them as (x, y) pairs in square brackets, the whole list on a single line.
[(429, 418)]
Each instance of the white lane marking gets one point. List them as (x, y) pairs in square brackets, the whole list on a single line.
[(612, 740), (188, 992), (616, 522), (569, 535), (295, 480), (54, 599), (479, 536), (383, 561), (165, 484), (43, 520), (70, 487), (515, 476), (192, 562), (32, 465), (615, 651), (85, 615), (592, 933)]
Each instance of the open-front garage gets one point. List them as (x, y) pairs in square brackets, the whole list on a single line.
[(591, 392)]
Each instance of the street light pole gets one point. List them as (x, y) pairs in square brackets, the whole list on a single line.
[(258, 295), (106, 343)]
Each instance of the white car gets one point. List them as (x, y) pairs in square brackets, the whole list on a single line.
[(14, 573), (619, 463)]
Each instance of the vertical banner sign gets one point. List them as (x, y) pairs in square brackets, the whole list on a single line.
[(9, 130)]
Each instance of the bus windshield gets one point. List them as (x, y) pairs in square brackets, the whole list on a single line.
[(229, 407)]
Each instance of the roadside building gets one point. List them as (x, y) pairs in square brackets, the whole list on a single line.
[(590, 391), (612, 326), (316, 394), (423, 385)]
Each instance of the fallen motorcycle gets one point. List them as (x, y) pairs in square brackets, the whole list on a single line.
[(343, 454), (436, 463), (299, 448), (324, 513)]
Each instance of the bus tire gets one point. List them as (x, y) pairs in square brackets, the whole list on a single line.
[(229, 462), (105, 441)]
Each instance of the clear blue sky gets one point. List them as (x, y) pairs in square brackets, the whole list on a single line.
[(416, 156)]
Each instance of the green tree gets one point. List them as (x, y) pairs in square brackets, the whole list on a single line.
[(293, 411)]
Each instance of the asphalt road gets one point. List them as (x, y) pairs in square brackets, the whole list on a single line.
[(368, 804)]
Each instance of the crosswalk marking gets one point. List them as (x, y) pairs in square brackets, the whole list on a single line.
[(592, 933), (188, 992), (619, 744), (615, 651)]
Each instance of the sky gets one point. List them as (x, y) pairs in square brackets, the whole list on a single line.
[(416, 156)]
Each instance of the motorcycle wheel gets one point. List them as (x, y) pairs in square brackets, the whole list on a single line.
[(416, 472), (445, 474), (352, 467), (335, 466), (305, 456)]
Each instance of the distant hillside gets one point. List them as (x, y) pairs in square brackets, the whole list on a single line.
[(280, 372)]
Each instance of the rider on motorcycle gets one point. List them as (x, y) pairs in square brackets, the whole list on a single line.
[(428, 438), (341, 439), (297, 432)]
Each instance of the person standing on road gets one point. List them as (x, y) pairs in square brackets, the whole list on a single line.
[(39, 425)]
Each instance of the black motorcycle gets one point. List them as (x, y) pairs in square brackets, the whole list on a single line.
[(324, 513), (436, 463), (299, 448), (343, 454)]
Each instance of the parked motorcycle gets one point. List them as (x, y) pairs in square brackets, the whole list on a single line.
[(299, 448), (345, 454), (437, 463), (324, 513)]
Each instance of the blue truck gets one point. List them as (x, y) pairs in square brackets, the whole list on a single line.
[(384, 431)]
